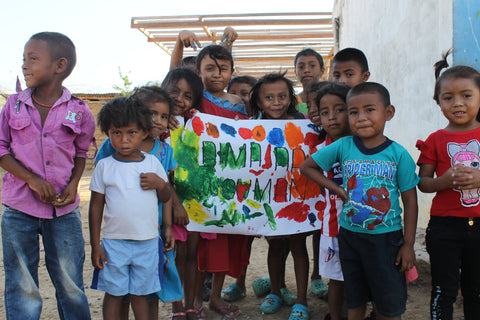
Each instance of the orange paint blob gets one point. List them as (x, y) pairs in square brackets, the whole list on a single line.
[(298, 158), (303, 188), (258, 133), (212, 130), (293, 135)]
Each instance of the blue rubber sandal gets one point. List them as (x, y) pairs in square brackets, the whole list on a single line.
[(233, 293), (272, 304), (288, 297), (299, 312), (261, 286), (319, 288)]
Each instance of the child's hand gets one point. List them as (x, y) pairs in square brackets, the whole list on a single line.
[(67, 197), (189, 39), (45, 189), (168, 239), (342, 194), (406, 256), (98, 257), (229, 36), (465, 177), (151, 181), (173, 123), (180, 215)]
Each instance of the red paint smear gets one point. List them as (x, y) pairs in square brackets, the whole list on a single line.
[(245, 133), (268, 158), (257, 173), (280, 194), (320, 206), (293, 135), (297, 211), (303, 188), (241, 190), (197, 125), (212, 130), (312, 140)]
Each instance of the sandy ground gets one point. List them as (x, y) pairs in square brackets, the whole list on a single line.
[(418, 291)]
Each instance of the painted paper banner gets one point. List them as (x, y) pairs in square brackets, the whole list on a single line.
[(243, 176)]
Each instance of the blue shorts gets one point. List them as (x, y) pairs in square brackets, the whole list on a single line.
[(370, 273), (132, 267)]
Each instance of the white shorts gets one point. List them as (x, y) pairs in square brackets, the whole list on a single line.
[(329, 259)]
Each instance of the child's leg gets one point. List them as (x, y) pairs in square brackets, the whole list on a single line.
[(139, 307), (20, 258), (276, 264), (241, 280), (444, 245), (153, 309), (470, 281), (315, 248), (111, 307), (181, 263), (298, 247), (336, 299), (191, 273), (357, 313), (125, 307)]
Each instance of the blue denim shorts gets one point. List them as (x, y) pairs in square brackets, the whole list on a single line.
[(132, 267), (370, 273)]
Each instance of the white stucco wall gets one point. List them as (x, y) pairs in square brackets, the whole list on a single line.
[(402, 40)]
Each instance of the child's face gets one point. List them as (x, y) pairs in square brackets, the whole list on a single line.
[(367, 116), (334, 117), (38, 67), (460, 101), (243, 91), (312, 107), (160, 115), (308, 70), (126, 140), (214, 79), (349, 72), (274, 100), (182, 96)]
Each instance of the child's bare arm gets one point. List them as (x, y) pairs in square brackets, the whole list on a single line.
[(429, 184), (311, 170), (228, 38), (466, 177), (185, 39), (150, 181), (180, 215), (95, 216), (168, 239), (45, 189), (406, 254), (69, 194)]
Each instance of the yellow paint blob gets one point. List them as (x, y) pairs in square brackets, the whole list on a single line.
[(195, 211), (254, 204)]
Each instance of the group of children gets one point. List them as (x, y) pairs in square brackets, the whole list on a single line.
[(146, 253)]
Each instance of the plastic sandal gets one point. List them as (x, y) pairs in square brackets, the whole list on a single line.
[(299, 312), (288, 297), (195, 312), (177, 314), (228, 311), (272, 304), (319, 288), (233, 293), (261, 286)]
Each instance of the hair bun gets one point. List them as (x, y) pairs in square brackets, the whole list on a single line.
[(442, 64)]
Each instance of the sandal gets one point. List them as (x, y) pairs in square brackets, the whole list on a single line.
[(299, 312), (233, 293), (319, 288), (261, 286), (228, 312), (288, 297), (197, 314), (177, 314), (272, 304)]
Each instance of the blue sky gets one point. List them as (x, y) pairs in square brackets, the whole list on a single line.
[(104, 40)]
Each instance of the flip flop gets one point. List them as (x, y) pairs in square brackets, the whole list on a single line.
[(261, 286), (228, 312), (177, 314), (299, 312), (288, 297), (319, 288), (195, 312), (233, 293), (272, 304)]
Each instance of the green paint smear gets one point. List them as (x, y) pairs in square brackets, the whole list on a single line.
[(227, 156), (209, 153), (281, 156), (254, 151), (260, 194), (271, 219), (227, 189), (229, 217)]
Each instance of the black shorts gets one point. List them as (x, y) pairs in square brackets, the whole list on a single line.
[(370, 273)]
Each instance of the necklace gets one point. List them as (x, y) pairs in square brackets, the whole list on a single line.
[(41, 104)]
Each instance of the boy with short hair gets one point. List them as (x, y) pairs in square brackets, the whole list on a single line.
[(45, 133), (130, 184), (350, 66), (309, 67), (374, 253)]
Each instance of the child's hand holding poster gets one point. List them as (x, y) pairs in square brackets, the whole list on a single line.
[(243, 176)]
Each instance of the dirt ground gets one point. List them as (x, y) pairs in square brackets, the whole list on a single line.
[(418, 291)]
